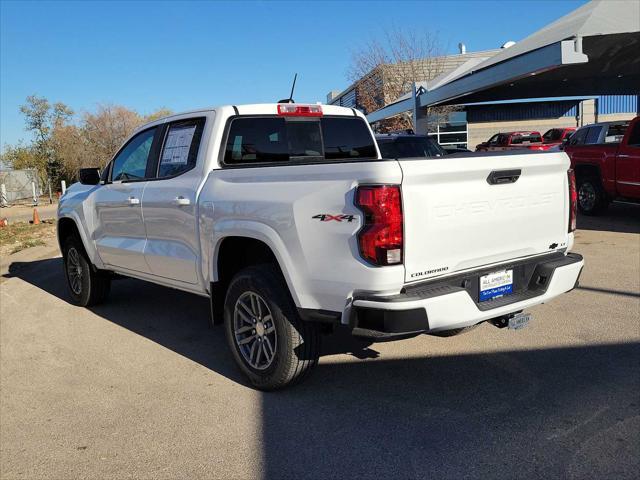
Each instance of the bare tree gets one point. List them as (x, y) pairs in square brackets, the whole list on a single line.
[(384, 70)]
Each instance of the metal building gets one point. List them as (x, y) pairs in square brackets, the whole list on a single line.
[(583, 68)]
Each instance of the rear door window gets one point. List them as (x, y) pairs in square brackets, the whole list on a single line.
[(264, 140), (593, 134), (180, 147)]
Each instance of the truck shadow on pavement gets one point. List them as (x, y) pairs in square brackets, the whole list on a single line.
[(619, 217), (547, 413), (176, 320)]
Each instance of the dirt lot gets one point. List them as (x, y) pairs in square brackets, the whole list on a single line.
[(142, 387), (19, 236)]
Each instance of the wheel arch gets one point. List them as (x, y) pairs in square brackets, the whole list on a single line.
[(69, 225), (586, 170), (238, 250)]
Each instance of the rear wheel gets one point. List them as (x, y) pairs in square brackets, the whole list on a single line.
[(592, 198), (272, 346), (87, 285)]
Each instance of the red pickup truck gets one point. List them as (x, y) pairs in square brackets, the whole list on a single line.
[(512, 141), (557, 136), (606, 159)]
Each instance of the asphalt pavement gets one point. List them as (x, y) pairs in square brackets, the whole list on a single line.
[(143, 387)]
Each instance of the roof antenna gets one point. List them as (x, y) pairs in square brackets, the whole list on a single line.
[(290, 99)]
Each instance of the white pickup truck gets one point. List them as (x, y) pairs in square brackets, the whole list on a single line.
[(288, 219)]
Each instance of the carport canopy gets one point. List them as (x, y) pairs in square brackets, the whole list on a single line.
[(594, 50)]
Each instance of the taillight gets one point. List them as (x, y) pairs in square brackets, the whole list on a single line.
[(380, 239), (573, 200), (293, 110)]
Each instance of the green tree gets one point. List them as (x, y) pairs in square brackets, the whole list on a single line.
[(41, 118), (20, 156)]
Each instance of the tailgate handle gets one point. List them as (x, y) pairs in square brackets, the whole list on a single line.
[(499, 177)]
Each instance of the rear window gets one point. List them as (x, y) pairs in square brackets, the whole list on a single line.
[(410, 147), (277, 140), (518, 139)]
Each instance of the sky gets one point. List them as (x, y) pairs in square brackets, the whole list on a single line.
[(185, 55)]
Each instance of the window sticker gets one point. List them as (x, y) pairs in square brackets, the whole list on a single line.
[(176, 148)]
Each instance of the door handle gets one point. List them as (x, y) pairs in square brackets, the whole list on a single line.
[(181, 201), (133, 201)]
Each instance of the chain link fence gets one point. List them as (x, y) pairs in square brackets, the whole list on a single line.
[(17, 186)]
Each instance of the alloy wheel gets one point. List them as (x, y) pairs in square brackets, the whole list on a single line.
[(254, 330), (74, 271), (587, 196)]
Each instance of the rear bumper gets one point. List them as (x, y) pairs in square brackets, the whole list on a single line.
[(453, 302)]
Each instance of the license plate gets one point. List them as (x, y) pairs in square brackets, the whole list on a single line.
[(496, 284), (519, 320)]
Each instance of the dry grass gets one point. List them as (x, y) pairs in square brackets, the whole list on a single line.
[(21, 235)]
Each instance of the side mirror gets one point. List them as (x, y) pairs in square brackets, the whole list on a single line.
[(89, 176)]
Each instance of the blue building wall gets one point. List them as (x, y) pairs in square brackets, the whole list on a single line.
[(521, 111), (608, 104)]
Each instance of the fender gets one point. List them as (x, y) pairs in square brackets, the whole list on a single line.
[(89, 246), (267, 235)]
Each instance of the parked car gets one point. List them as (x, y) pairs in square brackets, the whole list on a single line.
[(403, 145), (512, 141), (606, 159), (285, 217), (557, 136)]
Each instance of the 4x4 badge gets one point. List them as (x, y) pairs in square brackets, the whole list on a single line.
[(326, 217)]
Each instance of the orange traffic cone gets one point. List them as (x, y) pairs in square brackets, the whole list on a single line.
[(36, 217)]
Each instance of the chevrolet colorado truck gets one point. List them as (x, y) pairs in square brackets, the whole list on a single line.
[(606, 159), (287, 218)]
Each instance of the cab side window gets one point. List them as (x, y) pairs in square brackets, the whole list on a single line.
[(180, 147), (131, 162)]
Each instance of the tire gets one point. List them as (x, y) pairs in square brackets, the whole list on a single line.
[(592, 199), (87, 285), (454, 332), (273, 348)]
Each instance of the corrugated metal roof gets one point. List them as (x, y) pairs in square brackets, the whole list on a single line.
[(597, 17)]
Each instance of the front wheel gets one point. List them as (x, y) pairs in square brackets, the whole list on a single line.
[(87, 286), (272, 346)]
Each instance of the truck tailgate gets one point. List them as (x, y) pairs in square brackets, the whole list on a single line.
[(456, 218)]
